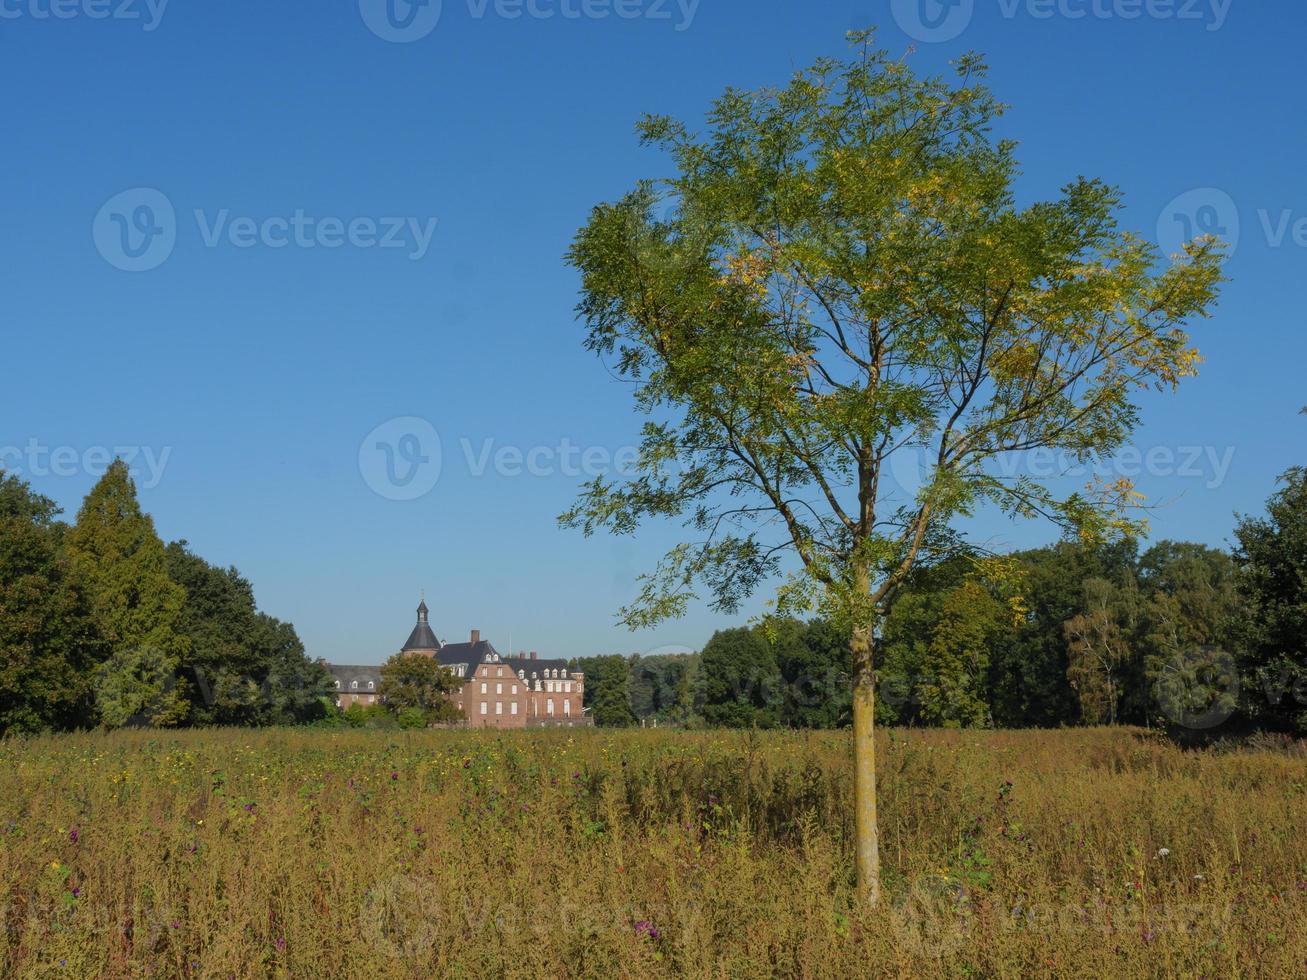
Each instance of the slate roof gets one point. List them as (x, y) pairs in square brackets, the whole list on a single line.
[(346, 675), (422, 637)]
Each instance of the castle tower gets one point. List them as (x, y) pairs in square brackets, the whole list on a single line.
[(422, 640)]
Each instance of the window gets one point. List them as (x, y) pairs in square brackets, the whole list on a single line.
[(371, 686), (483, 707), (353, 685), (549, 706), (513, 708), (483, 687), (567, 706), (568, 687), (499, 671), (499, 707), (337, 685), (514, 690), (499, 688)]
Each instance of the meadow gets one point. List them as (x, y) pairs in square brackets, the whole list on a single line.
[(300, 853)]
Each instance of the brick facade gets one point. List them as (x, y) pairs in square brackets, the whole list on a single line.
[(497, 691)]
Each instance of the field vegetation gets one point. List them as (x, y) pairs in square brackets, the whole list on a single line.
[(303, 853)]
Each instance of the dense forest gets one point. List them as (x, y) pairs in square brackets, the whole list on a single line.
[(1178, 636), (101, 623)]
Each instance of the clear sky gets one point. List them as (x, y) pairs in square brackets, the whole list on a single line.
[(198, 261)]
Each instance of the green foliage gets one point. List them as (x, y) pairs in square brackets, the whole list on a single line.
[(246, 667), (1272, 562), (662, 687), (48, 642), (607, 690), (815, 671), (416, 687), (741, 684), (936, 645), (844, 276), (137, 606)]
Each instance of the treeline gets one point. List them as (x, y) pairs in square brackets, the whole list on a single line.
[(1179, 636), (102, 624)]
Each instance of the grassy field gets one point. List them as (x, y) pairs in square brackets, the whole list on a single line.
[(361, 854)]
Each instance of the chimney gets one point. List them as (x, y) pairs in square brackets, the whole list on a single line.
[(476, 637), (533, 654)]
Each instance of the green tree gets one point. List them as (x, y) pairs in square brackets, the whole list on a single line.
[(48, 643), (1272, 562), (1029, 686), (247, 668), (607, 690), (813, 660), (1190, 611), (415, 683), (137, 606), (844, 277), (741, 681), (1099, 650)]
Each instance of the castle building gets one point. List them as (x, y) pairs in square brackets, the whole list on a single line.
[(497, 691)]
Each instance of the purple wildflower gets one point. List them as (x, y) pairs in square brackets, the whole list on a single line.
[(647, 929), (73, 835)]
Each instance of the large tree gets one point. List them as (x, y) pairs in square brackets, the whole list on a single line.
[(422, 684), (137, 606), (740, 680), (1272, 560), (246, 667), (837, 276), (48, 643)]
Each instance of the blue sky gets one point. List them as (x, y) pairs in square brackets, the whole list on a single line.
[(256, 367)]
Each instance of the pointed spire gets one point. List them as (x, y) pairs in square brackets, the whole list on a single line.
[(422, 638)]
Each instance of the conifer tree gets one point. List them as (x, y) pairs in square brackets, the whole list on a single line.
[(137, 606)]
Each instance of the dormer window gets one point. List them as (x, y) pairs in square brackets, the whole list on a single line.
[(337, 685), (353, 685), (371, 685)]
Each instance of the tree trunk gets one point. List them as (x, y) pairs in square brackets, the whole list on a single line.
[(864, 765)]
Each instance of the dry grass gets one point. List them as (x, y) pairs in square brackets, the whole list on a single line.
[(359, 854)]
